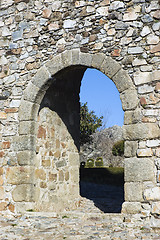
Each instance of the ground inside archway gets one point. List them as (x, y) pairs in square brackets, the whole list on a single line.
[(100, 192)]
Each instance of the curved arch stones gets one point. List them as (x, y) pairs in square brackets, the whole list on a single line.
[(33, 96)]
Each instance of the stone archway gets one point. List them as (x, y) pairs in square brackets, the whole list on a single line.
[(133, 130)]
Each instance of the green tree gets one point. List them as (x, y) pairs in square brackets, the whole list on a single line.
[(89, 123), (118, 148)]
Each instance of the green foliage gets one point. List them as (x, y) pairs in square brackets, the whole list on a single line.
[(89, 123), (90, 163), (118, 148), (99, 162)]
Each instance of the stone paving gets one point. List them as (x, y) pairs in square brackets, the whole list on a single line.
[(85, 222)]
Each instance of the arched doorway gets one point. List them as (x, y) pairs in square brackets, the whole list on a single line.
[(35, 92)]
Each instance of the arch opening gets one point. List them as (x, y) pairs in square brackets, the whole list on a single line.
[(58, 141), (101, 172)]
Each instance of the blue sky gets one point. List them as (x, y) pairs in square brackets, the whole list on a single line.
[(102, 97)]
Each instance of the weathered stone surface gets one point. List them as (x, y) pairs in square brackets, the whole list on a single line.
[(26, 158), (42, 75), (69, 23), (155, 208), (152, 194), (139, 62), (135, 50), (40, 173), (97, 60), (152, 39), (122, 80), (129, 99), (54, 65), (67, 58), (102, 11), (139, 170), (145, 152), (74, 174), (25, 142), (133, 192), (110, 67), (145, 31), (3, 206), (1, 193), (31, 112), (46, 13), (23, 192), (142, 77), (19, 175), (26, 127), (130, 149), (156, 48), (85, 59), (141, 131), (74, 159), (153, 143), (131, 207), (33, 94), (130, 16)]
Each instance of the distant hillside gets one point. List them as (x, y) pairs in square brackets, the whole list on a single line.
[(101, 146)]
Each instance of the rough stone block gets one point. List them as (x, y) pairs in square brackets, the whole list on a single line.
[(75, 56), (1, 193), (31, 113), (145, 152), (73, 159), (6, 145), (61, 176), (152, 194), (142, 77), (73, 190), (110, 67), (122, 80), (33, 93), (130, 148), (61, 163), (131, 117), (27, 127), (19, 175), (85, 59), (42, 76), (52, 176), (74, 174), (97, 60), (46, 163), (40, 173), (24, 142), (131, 207), (23, 192), (155, 208), (1, 181), (129, 99), (133, 192), (67, 58), (53, 66), (3, 206), (141, 131), (139, 170), (26, 158), (41, 132)]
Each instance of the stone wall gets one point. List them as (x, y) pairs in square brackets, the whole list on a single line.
[(38, 40)]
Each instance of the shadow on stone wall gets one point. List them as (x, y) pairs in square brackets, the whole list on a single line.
[(63, 98)]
